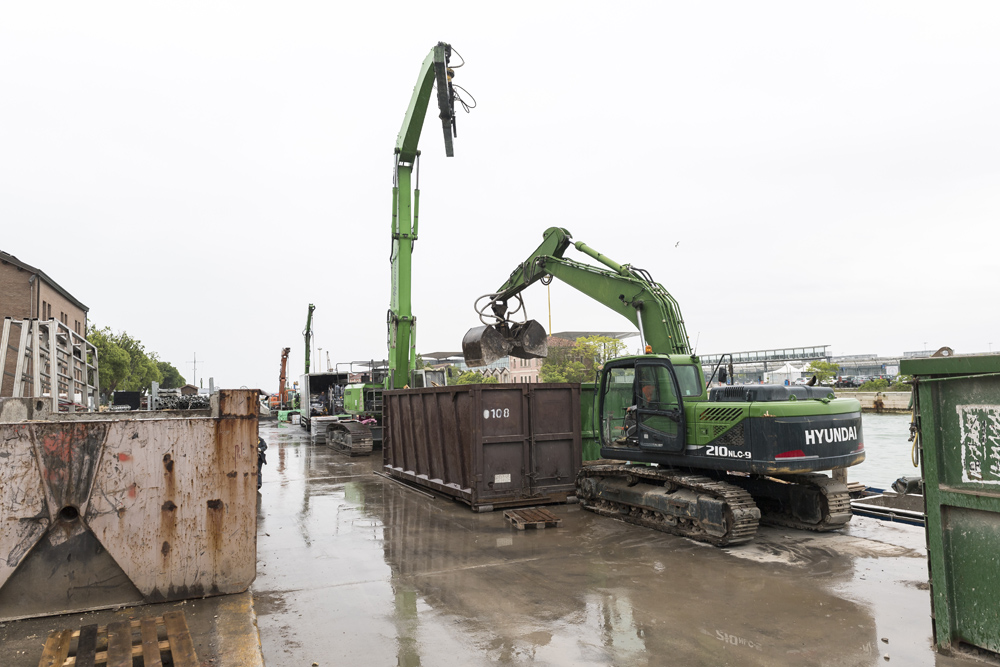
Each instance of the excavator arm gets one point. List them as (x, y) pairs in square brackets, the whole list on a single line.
[(406, 203), (628, 291)]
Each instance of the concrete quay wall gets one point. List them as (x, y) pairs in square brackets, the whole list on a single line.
[(892, 401)]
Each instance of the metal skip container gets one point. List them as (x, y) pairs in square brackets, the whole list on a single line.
[(108, 509), (488, 445), (957, 406)]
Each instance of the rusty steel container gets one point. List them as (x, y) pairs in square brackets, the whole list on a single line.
[(488, 445), (108, 509)]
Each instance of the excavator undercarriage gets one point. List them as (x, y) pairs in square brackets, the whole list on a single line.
[(350, 437), (720, 509)]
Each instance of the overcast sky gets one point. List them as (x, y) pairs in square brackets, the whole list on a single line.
[(793, 173)]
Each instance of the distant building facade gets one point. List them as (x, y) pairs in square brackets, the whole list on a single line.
[(27, 292)]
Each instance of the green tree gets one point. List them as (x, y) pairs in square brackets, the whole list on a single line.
[(122, 362), (901, 383), (599, 348), (142, 369), (113, 363), (875, 385), (578, 363), (172, 378), (474, 377), (824, 370)]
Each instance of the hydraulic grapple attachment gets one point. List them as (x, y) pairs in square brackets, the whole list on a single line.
[(486, 344)]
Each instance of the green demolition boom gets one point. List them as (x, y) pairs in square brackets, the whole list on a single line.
[(725, 459), (363, 401), (406, 205)]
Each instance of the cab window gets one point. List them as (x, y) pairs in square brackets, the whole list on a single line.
[(655, 389), (689, 380)]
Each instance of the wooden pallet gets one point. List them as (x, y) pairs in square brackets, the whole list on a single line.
[(532, 518), (115, 646)]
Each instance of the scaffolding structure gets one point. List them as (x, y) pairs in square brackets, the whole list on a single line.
[(46, 359)]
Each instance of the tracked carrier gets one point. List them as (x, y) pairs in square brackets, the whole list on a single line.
[(350, 437)]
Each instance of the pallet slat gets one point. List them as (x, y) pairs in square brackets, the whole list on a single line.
[(122, 646), (56, 649), (101, 657), (181, 646), (532, 518), (86, 649), (150, 645)]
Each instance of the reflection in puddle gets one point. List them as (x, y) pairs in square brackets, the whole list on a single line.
[(444, 585)]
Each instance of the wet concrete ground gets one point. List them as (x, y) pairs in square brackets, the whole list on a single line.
[(356, 569)]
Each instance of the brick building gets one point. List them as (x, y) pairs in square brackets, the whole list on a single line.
[(27, 292)]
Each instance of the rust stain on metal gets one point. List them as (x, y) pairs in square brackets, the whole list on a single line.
[(104, 480)]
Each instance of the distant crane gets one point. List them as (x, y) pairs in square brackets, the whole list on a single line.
[(308, 333), (282, 388)]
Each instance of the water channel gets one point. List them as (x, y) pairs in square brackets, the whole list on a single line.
[(887, 451)]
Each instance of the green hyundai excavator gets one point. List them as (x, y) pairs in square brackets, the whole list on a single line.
[(706, 464)]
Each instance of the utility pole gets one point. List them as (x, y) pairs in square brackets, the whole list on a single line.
[(194, 371)]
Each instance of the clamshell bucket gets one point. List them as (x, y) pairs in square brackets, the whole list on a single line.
[(484, 345), (528, 340)]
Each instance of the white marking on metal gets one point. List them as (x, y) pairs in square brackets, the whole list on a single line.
[(979, 440)]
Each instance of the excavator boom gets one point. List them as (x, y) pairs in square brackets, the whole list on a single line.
[(406, 203), (628, 291)]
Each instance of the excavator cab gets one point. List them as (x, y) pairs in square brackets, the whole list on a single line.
[(640, 400)]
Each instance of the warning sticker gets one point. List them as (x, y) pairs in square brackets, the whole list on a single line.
[(501, 479), (979, 438)]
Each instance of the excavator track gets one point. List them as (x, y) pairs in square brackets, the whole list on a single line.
[(350, 437), (672, 501), (807, 501)]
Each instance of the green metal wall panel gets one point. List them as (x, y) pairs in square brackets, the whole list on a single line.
[(958, 410), (591, 436)]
